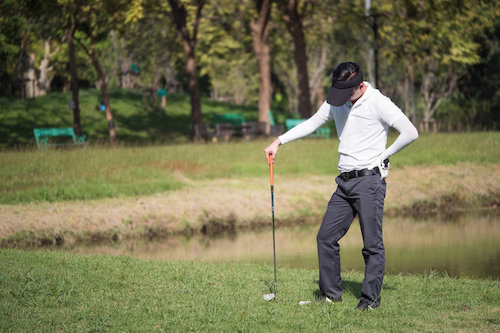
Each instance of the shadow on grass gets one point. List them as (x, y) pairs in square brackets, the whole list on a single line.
[(350, 287)]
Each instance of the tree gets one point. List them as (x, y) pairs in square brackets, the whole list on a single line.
[(69, 36), (180, 15), (150, 43), (30, 23), (226, 54), (260, 41), (293, 18), (434, 42), (12, 38), (324, 50), (479, 97), (95, 18)]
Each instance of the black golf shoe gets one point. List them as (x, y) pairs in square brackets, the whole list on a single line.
[(365, 304)]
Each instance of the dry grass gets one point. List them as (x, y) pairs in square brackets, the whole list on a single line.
[(240, 202)]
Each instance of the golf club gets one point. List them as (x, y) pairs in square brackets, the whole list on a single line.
[(271, 296)]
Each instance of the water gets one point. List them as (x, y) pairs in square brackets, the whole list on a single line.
[(465, 246)]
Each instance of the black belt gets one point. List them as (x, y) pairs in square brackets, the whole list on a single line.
[(359, 173)]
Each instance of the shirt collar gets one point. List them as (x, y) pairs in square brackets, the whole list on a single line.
[(366, 95)]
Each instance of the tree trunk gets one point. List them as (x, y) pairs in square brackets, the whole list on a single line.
[(156, 84), (293, 22), (70, 31), (194, 89), (320, 61), (104, 91), (409, 95), (44, 79), (260, 41), (30, 77), (37, 80), (125, 77), (189, 41)]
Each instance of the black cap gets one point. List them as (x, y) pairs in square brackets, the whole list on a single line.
[(340, 91)]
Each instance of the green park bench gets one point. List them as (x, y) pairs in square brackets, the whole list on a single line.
[(232, 119), (42, 136), (227, 125), (322, 132)]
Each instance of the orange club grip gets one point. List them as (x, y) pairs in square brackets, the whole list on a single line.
[(271, 172)]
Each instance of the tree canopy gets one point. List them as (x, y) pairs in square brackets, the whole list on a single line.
[(438, 58)]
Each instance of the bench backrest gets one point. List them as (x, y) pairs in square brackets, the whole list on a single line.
[(271, 119), (43, 133), (290, 123), (233, 119)]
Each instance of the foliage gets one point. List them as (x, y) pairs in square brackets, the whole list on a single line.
[(12, 30), (429, 50), (227, 32), (435, 41), (478, 95), (150, 42)]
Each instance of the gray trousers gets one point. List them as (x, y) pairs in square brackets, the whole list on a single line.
[(363, 196)]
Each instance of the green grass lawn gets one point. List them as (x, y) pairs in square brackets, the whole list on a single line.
[(134, 123), (99, 171), (47, 292), (154, 154)]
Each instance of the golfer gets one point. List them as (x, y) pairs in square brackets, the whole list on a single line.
[(362, 116)]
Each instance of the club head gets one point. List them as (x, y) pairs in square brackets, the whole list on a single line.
[(269, 297)]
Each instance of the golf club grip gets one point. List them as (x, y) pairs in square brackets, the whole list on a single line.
[(271, 171)]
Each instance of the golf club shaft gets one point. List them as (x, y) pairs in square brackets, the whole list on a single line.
[(271, 171)]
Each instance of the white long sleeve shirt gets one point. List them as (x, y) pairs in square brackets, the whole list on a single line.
[(362, 129)]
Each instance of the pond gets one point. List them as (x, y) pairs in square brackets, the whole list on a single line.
[(465, 246)]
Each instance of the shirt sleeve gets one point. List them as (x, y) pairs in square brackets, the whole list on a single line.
[(408, 134), (308, 126), (388, 111)]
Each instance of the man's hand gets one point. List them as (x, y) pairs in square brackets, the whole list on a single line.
[(383, 167), (272, 149)]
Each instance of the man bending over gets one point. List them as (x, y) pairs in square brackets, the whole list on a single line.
[(362, 118)]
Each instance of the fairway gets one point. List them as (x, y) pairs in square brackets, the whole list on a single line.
[(60, 292)]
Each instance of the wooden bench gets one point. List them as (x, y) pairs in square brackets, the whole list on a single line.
[(202, 132), (250, 130), (224, 131), (322, 132), (42, 136), (227, 125)]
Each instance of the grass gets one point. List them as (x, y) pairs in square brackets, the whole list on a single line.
[(43, 291), (47, 291), (102, 172), (134, 123), (217, 205)]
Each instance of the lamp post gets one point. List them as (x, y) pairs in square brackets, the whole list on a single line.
[(371, 18)]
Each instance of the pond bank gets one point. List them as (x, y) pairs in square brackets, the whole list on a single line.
[(221, 205)]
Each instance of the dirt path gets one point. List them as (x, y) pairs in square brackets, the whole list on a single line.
[(207, 206)]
